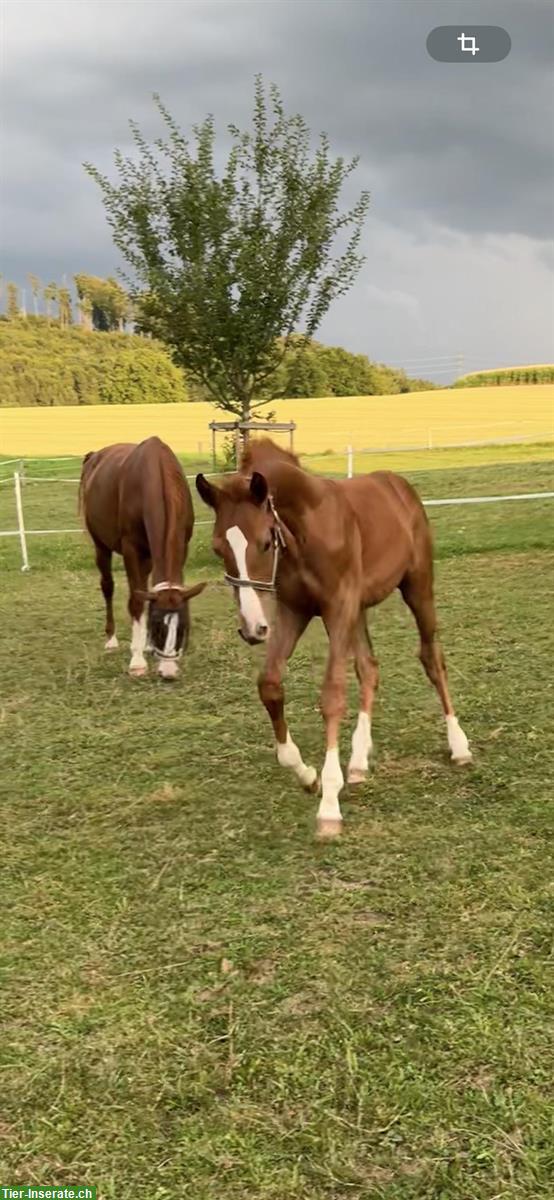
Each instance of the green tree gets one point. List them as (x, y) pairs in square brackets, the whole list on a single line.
[(50, 297), (109, 302), (230, 266), (85, 312), (12, 300), (64, 302), (36, 288)]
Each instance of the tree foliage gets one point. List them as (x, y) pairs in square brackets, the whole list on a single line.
[(44, 364), (229, 266), (12, 301), (104, 300)]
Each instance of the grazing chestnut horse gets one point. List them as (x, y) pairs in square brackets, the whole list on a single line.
[(136, 502), (330, 549)]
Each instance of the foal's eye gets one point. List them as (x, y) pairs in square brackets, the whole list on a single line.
[(266, 545)]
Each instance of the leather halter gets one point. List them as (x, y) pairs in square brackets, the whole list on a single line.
[(279, 543), (165, 586)]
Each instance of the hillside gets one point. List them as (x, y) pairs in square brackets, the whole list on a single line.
[(44, 366)]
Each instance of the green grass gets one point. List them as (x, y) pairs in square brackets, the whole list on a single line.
[(468, 529), (200, 1000)]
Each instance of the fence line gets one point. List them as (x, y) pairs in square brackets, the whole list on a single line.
[(23, 533)]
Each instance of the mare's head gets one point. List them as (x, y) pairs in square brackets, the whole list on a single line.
[(169, 623), (246, 536)]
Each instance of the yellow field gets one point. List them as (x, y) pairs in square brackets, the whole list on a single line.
[(435, 418)]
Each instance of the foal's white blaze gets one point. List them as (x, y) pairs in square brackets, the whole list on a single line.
[(250, 604), (362, 746), (138, 644), (332, 781), (457, 741), (168, 666), (288, 755)]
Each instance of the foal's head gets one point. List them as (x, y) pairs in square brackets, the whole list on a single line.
[(169, 623), (246, 535)]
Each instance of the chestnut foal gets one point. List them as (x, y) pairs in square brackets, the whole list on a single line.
[(330, 549), (136, 501)]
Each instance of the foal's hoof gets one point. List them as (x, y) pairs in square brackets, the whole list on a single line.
[(310, 783), (355, 777), (462, 760), (327, 830), (112, 643), (138, 672)]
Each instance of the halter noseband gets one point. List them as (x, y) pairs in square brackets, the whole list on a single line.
[(166, 586), (279, 543)]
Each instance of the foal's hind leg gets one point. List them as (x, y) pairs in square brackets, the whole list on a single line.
[(367, 671), (417, 591), (288, 628), (104, 564)]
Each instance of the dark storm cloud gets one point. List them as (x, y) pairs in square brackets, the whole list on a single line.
[(466, 148)]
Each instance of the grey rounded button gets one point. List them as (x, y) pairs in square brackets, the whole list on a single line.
[(469, 43)]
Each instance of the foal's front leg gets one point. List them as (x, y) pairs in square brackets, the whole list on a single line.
[(288, 628)]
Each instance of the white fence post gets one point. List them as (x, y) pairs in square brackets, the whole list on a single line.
[(20, 521), (350, 462)]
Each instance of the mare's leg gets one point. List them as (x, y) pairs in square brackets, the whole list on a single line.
[(104, 564), (287, 629), (367, 671), (137, 570), (417, 591), (340, 627)]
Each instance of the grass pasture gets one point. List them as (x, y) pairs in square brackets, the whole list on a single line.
[(201, 1001)]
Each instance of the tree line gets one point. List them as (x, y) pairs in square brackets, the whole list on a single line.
[(97, 304)]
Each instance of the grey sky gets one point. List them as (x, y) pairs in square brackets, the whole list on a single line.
[(458, 158)]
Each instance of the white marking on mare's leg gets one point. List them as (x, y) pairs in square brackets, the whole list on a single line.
[(167, 667), (138, 664), (112, 643), (288, 755), (362, 747), (457, 742), (329, 816), (250, 604)]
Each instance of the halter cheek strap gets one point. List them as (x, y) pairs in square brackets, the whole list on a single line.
[(279, 543)]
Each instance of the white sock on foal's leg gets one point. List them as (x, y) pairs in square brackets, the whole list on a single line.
[(112, 643), (288, 755), (329, 816), (138, 664), (362, 747), (457, 742)]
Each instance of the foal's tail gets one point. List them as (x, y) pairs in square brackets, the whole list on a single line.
[(86, 459)]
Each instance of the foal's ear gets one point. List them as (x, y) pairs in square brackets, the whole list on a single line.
[(207, 492), (258, 488)]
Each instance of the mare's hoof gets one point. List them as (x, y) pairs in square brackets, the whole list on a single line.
[(356, 777), (112, 643), (326, 830), (138, 672), (168, 671), (462, 760)]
